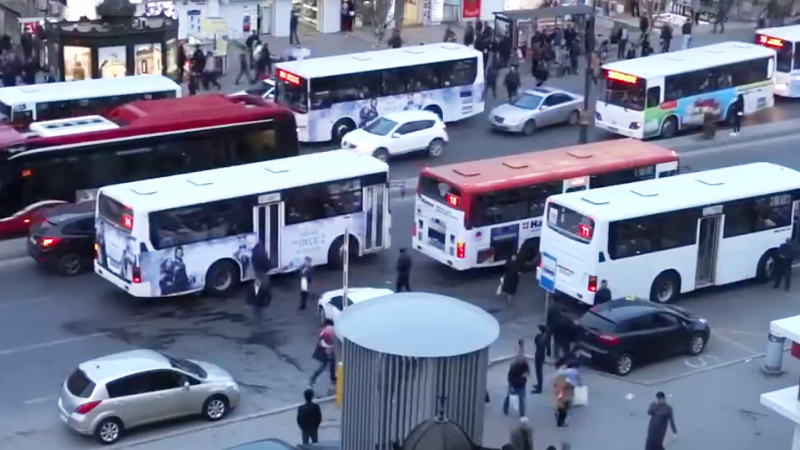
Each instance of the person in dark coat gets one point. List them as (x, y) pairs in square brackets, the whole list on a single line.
[(469, 35), (293, 21), (259, 296), (783, 265), (309, 417), (306, 277), (252, 42), (512, 82), (561, 329), (491, 78), (517, 379), (181, 63), (198, 60), (661, 416), (542, 350), (666, 37), (395, 41), (738, 113), (574, 54), (603, 294), (511, 278), (403, 271), (644, 24), (522, 435)]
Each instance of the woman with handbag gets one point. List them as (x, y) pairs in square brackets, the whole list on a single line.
[(325, 354)]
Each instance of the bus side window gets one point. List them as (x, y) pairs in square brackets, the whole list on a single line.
[(22, 118), (654, 96)]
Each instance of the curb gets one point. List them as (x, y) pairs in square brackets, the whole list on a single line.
[(249, 417), (695, 142)]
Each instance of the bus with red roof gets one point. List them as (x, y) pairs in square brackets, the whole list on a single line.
[(479, 213), (67, 160)]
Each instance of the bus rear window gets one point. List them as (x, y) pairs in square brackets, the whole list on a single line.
[(114, 211), (440, 192), (569, 223)]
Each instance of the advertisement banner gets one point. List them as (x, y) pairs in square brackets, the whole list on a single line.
[(470, 9)]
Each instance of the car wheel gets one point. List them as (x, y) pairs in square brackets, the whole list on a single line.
[(665, 288), (381, 154), (574, 117), (215, 408), (108, 431), (222, 278), (340, 128), (436, 147), (70, 265), (529, 128), (669, 128), (623, 365), (697, 344), (766, 266)]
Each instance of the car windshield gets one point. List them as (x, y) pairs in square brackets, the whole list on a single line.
[(527, 101), (380, 126), (186, 366)]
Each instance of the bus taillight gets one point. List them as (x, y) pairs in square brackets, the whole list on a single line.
[(592, 284), (137, 274), (461, 250)]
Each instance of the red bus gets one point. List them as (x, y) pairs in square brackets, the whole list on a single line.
[(66, 160), (479, 213)]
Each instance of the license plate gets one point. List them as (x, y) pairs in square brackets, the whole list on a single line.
[(63, 418)]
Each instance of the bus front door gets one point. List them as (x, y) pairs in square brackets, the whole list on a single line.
[(707, 249), (268, 220), (374, 208)]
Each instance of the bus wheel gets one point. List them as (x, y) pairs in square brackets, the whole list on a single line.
[(222, 278), (336, 252), (666, 287), (529, 254), (340, 128), (669, 128), (766, 266), (436, 110)]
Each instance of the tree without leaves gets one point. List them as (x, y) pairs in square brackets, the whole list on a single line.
[(375, 13)]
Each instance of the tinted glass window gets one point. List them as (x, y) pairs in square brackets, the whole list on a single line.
[(642, 323), (436, 190), (79, 384), (321, 201), (784, 61), (131, 385), (514, 204), (569, 223), (664, 320), (197, 223), (622, 177), (596, 322), (709, 80), (757, 214), (627, 95), (654, 97), (80, 226), (652, 233), (336, 302), (295, 96), (166, 379), (112, 210)]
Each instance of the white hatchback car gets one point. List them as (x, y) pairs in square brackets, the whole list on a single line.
[(331, 304), (399, 133)]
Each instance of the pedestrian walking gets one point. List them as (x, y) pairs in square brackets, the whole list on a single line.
[(517, 380), (264, 62), (622, 42), (562, 331), (522, 435), (492, 72), (510, 280), (181, 63), (603, 294), (469, 35), (244, 71), (403, 267), (542, 350), (293, 20), (259, 296), (252, 42), (686, 29), (661, 416), (783, 265), (395, 41), (325, 354), (574, 54), (198, 60), (512, 82), (194, 83), (595, 65), (306, 272), (210, 72), (666, 37), (738, 114), (719, 18), (309, 417), (644, 24), (563, 393)]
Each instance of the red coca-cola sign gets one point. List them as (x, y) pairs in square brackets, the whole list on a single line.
[(470, 9)]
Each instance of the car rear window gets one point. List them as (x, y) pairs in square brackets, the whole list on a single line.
[(79, 384), (597, 322)]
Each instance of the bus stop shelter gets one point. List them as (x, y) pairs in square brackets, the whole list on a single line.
[(522, 23)]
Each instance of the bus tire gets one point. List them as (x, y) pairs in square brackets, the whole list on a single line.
[(666, 287), (340, 128), (336, 252), (436, 110), (222, 278), (529, 128), (766, 265), (669, 128), (529, 254)]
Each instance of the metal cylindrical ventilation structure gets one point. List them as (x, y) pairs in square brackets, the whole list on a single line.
[(401, 354)]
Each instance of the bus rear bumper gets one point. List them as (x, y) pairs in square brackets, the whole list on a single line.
[(140, 290), (438, 255), (636, 134)]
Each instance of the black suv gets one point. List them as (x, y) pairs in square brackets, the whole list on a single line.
[(64, 239), (621, 334)]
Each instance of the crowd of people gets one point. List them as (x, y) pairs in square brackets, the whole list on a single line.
[(19, 62)]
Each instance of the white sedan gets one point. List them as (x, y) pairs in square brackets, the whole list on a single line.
[(399, 133), (330, 303)]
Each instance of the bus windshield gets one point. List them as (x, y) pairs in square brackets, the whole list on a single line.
[(440, 191), (625, 94), (784, 60), (293, 96), (569, 223), (5, 113)]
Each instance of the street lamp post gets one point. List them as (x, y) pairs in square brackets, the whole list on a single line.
[(587, 82)]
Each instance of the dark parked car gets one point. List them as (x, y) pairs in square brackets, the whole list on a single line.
[(622, 334), (64, 239)]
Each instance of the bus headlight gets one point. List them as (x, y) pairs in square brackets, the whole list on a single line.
[(635, 125), (781, 86)]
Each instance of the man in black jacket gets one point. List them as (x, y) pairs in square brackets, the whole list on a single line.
[(603, 294), (309, 416), (403, 271), (542, 349)]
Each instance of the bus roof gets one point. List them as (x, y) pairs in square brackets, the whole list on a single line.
[(789, 33), (146, 117), (377, 60), (239, 181), (664, 64), (691, 190), (508, 172), (77, 90)]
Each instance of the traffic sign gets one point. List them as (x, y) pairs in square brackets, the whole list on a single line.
[(547, 278)]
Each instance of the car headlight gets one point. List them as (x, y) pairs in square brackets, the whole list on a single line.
[(701, 320)]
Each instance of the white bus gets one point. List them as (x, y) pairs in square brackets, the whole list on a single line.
[(21, 105), (662, 94), (194, 232), (784, 40), (660, 238), (334, 95)]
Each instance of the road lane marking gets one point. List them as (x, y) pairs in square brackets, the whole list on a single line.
[(25, 348), (35, 401), (25, 302), (733, 342)]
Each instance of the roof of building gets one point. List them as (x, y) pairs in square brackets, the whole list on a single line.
[(378, 59), (691, 190), (83, 89), (789, 33), (239, 181), (664, 64), (557, 164)]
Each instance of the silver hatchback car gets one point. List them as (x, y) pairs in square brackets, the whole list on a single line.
[(108, 395), (537, 108)]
